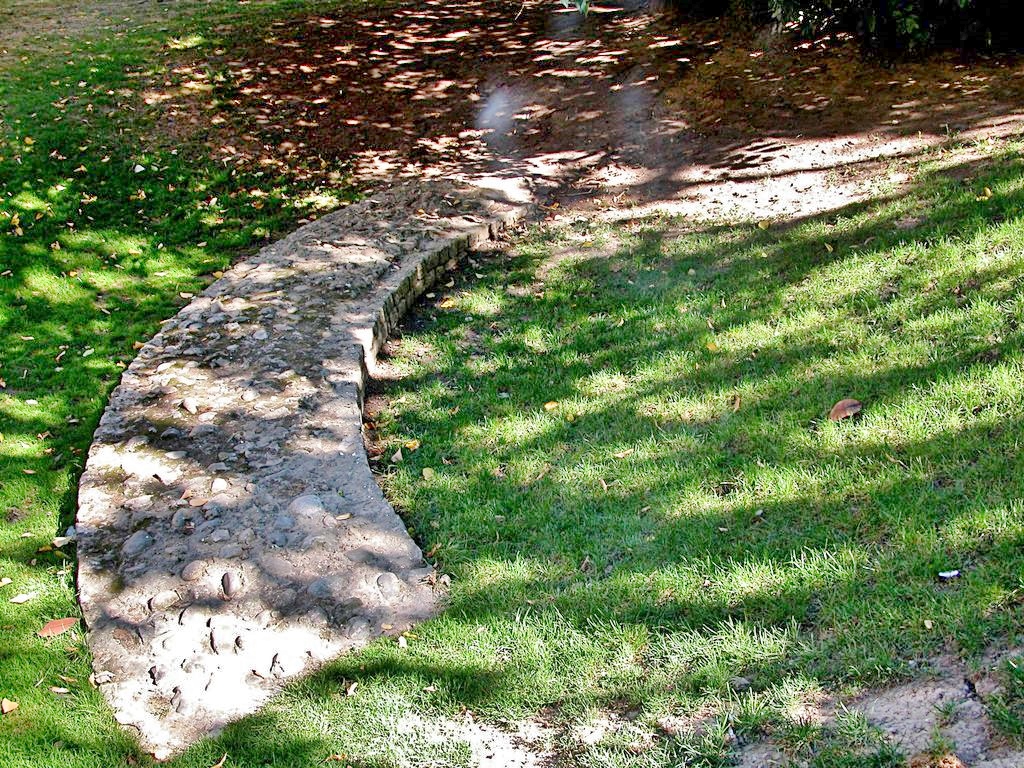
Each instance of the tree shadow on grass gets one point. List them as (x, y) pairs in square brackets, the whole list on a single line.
[(565, 526), (760, 541)]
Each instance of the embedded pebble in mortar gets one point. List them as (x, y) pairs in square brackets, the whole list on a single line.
[(163, 600), (193, 570), (137, 543), (306, 506), (389, 584), (239, 510), (229, 551), (231, 583)]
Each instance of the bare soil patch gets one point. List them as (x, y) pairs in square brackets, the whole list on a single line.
[(37, 26), (717, 123)]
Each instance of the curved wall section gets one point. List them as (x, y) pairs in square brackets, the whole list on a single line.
[(231, 534)]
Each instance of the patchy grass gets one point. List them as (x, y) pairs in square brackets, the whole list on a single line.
[(104, 232), (641, 500), (1006, 708)]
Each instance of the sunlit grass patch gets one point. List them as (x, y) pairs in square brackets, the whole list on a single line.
[(646, 424), (104, 232)]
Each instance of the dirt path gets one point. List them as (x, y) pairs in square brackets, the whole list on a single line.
[(622, 105)]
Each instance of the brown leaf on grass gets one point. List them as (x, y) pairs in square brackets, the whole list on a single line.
[(57, 627), (932, 760), (220, 763), (844, 409), (7, 706)]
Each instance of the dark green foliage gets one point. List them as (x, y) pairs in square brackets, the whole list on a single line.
[(909, 24), (889, 24)]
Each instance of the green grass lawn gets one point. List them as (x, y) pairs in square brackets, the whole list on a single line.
[(639, 495), (106, 227), (635, 489)]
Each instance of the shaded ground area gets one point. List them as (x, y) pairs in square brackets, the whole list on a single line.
[(634, 476), (618, 109), (622, 102)]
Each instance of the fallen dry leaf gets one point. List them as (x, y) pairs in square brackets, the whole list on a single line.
[(624, 454), (428, 473), (763, 224), (844, 409), (57, 627), (7, 706), (22, 598), (220, 763), (931, 760), (550, 405), (412, 445)]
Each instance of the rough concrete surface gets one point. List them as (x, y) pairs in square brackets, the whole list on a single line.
[(230, 533)]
